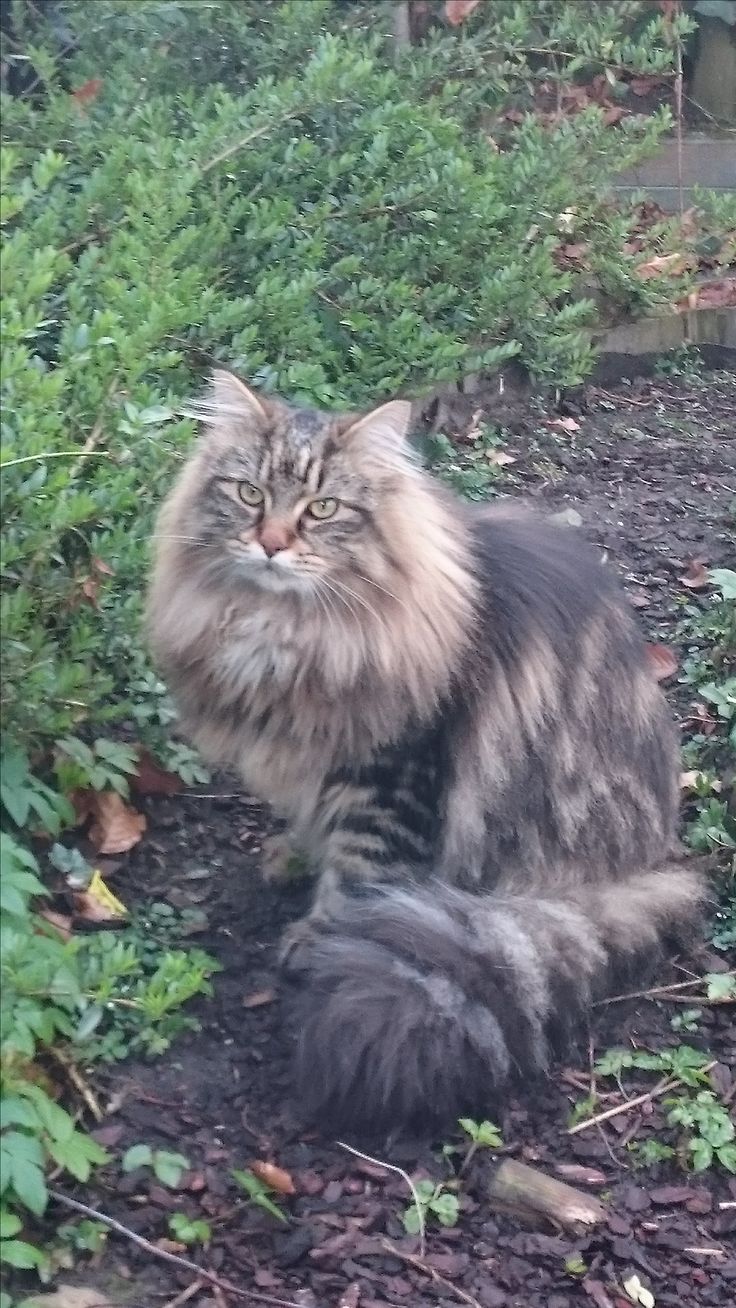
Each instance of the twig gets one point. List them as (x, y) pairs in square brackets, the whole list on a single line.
[(263, 130), (405, 1175), (654, 993), (661, 1088), (92, 440), (185, 1295), (167, 1257), (78, 1081), (56, 454), (428, 1270)]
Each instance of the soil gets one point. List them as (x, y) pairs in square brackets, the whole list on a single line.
[(651, 470)]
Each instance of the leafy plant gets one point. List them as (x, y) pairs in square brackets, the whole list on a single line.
[(190, 1230), (167, 1167), (709, 1129), (258, 1192), (433, 1199)]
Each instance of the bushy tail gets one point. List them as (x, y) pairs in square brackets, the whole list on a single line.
[(421, 1003)]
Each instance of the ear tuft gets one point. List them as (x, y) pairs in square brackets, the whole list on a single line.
[(384, 427), (230, 397)]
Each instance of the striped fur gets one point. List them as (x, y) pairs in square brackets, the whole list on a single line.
[(453, 712)]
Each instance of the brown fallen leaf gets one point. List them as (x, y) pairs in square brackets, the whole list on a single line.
[(662, 265), (70, 1296), (273, 1176), (696, 577), (456, 11), (97, 903), (116, 827), (60, 921), (259, 998), (662, 661), (151, 779), (499, 458), (88, 91), (564, 424)]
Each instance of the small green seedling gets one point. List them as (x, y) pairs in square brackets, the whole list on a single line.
[(649, 1153), (189, 1230), (167, 1167), (431, 1200), (574, 1265), (258, 1192)]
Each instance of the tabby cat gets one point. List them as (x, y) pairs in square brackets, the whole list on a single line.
[(452, 709)]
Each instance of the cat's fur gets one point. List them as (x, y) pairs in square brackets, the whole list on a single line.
[(453, 711)]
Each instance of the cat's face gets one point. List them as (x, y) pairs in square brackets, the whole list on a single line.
[(294, 500)]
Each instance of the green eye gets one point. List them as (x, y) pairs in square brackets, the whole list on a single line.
[(322, 509), (250, 494)]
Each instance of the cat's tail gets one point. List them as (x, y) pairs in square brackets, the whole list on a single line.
[(421, 1003)]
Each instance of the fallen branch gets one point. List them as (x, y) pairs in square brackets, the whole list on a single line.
[(186, 1263), (378, 1162), (77, 1080), (661, 1088), (654, 993), (531, 1194), (432, 1272)]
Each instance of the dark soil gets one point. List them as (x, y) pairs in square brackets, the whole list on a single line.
[(651, 470)]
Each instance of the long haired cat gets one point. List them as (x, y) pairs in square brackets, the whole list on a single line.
[(452, 710)]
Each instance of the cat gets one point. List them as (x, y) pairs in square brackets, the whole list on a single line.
[(452, 709)]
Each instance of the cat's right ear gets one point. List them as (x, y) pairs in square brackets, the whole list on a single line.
[(229, 404)]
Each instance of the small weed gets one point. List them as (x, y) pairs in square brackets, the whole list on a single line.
[(432, 1200), (649, 1153), (685, 363), (708, 1130), (687, 1020), (258, 1193), (167, 1167), (190, 1230), (471, 469), (574, 1265)]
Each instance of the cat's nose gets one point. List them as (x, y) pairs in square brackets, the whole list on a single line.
[(275, 537)]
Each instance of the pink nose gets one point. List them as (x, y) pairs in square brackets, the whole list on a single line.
[(275, 537)]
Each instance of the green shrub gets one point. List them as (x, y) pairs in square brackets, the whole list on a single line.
[(267, 185)]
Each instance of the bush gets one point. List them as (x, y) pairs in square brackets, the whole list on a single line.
[(268, 185)]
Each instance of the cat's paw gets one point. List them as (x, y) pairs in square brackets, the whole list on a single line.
[(297, 944), (280, 862)]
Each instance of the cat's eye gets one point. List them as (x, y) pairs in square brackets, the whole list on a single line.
[(250, 494), (322, 509)]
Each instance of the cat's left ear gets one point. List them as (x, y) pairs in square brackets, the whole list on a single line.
[(384, 428)]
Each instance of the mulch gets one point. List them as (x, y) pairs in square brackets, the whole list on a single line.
[(651, 470)]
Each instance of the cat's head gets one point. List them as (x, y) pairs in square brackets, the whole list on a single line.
[(294, 499)]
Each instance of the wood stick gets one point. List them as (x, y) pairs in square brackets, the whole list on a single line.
[(391, 1167), (532, 1194), (210, 1277), (428, 1270), (661, 1088)]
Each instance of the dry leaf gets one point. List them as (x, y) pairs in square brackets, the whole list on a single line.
[(151, 779), (662, 661), (499, 458), (713, 295), (117, 827), (613, 114), (70, 1296), (90, 588), (696, 577), (97, 903), (100, 566), (60, 921), (88, 91), (691, 780), (273, 1176), (662, 265), (259, 998), (639, 601), (456, 11), (564, 424)]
